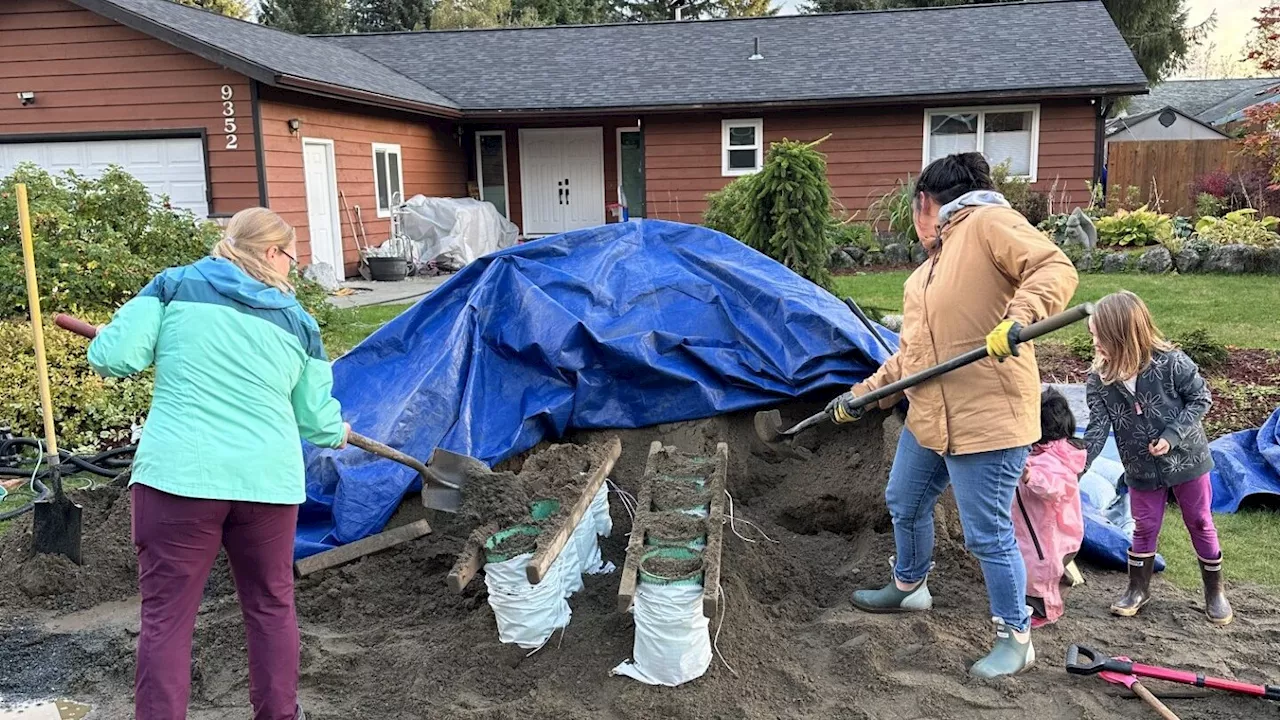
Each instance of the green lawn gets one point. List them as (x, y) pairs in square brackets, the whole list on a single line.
[(1250, 543), (1238, 310), (346, 328)]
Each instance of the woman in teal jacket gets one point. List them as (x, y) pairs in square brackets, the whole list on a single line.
[(240, 375)]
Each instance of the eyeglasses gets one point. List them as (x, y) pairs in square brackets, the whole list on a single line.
[(293, 260)]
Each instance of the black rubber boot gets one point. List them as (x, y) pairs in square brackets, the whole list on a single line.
[(1141, 568), (1216, 606)]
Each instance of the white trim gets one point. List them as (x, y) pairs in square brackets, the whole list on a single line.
[(981, 111), (756, 123), (526, 166), (336, 211), (506, 185), (618, 143), (387, 148)]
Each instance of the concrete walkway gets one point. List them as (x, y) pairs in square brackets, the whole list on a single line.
[(368, 292)]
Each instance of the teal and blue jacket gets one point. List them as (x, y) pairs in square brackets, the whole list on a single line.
[(240, 375)]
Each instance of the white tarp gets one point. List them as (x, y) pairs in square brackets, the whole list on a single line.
[(454, 231)]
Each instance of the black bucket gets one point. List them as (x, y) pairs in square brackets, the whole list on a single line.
[(388, 269)]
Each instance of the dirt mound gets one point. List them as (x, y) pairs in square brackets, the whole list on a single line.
[(385, 638)]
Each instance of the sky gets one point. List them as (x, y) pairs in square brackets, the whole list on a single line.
[(1234, 22)]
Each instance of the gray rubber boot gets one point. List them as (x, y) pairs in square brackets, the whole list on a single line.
[(1007, 656), (889, 599)]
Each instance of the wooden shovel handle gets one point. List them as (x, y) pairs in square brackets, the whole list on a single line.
[(1141, 691), (75, 325)]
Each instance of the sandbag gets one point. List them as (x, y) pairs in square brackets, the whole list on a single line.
[(599, 512), (527, 614), (673, 637)]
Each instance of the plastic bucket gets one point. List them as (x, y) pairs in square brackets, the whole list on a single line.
[(493, 551), (682, 533), (673, 553), (665, 504), (542, 509)]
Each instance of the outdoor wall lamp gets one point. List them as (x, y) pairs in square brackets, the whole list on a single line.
[(294, 125), (27, 98)]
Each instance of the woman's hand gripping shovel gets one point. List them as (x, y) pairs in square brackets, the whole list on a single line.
[(768, 423), (442, 476)]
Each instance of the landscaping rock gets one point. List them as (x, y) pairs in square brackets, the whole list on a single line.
[(1156, 261), (1187, 261), (1085, 262), (1115, 263), (893, 322), (323, 275), (896, 254), (918, 254), (856, 254), (1229, 259), (1080, 230), (1264, 260), (840, 260)]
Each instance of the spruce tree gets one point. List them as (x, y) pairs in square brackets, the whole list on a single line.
[(787, 209), (230, 8), (390, 15), (306, 17)]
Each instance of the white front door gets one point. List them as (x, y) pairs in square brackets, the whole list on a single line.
[(561, 179), (322, 203)]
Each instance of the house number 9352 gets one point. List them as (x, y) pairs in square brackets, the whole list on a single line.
[(229, 118)]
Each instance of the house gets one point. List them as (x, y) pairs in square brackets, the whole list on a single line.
[(551, 125), (1218, 104)]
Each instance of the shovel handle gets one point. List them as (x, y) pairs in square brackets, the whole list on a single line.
[(370, 445), (75, 325), (1030, 332), (1163, 710)]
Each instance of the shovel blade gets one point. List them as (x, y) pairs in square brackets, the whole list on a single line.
[(768, 424), (447, 474), (56, 528)]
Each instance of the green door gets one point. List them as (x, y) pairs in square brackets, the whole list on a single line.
[(631, 157)]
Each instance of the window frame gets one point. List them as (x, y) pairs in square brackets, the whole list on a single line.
[(725, 126), (981, 111), (387, 148), (506, 184)]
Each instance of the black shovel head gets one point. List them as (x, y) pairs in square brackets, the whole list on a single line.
[(56, 524)]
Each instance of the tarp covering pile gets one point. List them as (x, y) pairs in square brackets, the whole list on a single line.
[(621, 326), (1246, 464)]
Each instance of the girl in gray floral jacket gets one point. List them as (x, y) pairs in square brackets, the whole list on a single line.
[(1152, 396)]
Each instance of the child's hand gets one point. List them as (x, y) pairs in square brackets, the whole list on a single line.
[(1159, 447)]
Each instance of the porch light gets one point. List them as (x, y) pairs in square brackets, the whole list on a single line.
[(294, 126)]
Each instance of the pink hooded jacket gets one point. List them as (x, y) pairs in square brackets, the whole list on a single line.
[(1047, 519)]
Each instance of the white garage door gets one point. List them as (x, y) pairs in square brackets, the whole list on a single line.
[(169, 166)]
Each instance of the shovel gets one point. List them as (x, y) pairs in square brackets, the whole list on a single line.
[(441, 477), (1084, 660), (56, 522), (1135, 685), (768, 423)]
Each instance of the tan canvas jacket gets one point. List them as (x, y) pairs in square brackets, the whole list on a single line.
[(992, 265)]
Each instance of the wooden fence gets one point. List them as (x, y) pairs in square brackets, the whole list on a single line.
[(1164, 170)]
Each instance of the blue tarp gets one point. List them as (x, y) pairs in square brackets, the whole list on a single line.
[(621, 326), (1246, 464)]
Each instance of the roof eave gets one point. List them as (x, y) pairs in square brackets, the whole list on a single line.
[(984, 97), (315, 87)]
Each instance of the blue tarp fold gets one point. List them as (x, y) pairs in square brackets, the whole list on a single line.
[(621, 326), (1246, 464)]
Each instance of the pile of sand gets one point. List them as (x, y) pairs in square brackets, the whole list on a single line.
[(385, 638)]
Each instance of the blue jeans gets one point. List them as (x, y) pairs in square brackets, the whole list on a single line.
[(984, 486)]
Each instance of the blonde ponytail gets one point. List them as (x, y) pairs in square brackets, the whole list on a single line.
[(248, 237)]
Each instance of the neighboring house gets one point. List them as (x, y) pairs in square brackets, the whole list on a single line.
[(553, 124), (1216, 103), (1166, 123)]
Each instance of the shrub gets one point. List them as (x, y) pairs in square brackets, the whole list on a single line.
[(850, 233), (1123, 198), (787, 210), (1055, 226), (1203, 349), (893, 210), (97, 242), (1209, 205), (1251, 187), (1033, 205), (1137, 228), (1241, 227), (726, 208), (91, 412), (1081, 346)]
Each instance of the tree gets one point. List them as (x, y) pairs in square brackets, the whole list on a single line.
[(461, 14), (744, 8), (1208, 62), (231, 8), (306, 17), (1262, 120), (1157, 31), (390, 15), (658, 10), (563, 12)]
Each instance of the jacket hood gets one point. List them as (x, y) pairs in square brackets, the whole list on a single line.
[(232, 282), (1064, 452)]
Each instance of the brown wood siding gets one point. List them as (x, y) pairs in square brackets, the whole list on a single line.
[(516, 207), (432, 163), (91, 74), (868, 152)]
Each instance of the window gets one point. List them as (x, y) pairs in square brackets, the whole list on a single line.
[(741, 147), (1002, 134), (631, 170), (388, 178), (491, 169)]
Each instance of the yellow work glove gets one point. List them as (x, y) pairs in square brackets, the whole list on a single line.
[(842, 409), (1002, 342)]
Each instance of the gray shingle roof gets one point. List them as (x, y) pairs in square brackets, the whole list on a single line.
[(983, 49), (279, 52), (1209, 101), (975, 52)]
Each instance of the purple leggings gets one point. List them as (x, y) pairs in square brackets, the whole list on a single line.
[(177, 539), (1194, 499)]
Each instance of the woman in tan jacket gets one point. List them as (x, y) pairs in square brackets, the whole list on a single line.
[(972, 428)]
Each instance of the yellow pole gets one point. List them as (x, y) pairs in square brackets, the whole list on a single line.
[(37, 326)]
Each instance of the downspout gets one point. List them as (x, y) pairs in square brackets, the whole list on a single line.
[(258, 151)]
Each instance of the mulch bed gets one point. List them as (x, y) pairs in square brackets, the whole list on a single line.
[(1246, 388)]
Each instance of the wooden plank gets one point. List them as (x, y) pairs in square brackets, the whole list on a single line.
[(360, 548), (469, 562), (635, 544), (548, 553), (715, 535)]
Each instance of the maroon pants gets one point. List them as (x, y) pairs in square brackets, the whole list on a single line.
[(177, 539)]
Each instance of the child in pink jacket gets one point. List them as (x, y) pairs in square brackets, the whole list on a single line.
[(1048, 521)]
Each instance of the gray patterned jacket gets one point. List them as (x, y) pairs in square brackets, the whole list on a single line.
[(1170, 400)]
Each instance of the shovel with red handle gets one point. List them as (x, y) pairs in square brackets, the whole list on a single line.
[(1083, 660), (1134, 684)]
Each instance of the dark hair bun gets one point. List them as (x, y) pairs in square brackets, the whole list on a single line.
[(947, 178)]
